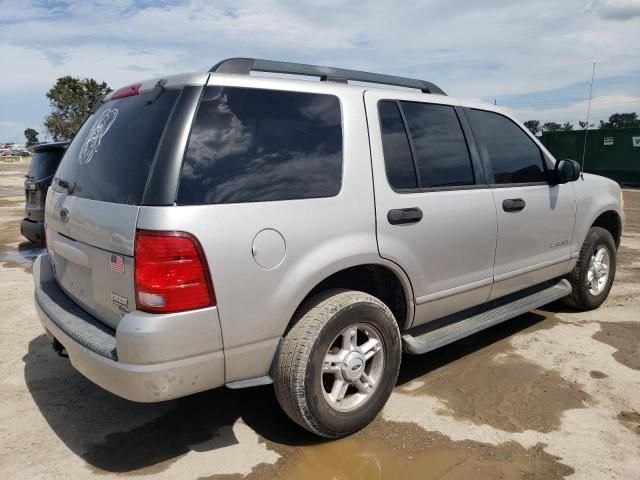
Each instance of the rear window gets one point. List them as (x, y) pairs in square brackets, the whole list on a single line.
[(44, 164), (111, 155), (250, 145)]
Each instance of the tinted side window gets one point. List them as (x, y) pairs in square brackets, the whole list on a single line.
[(398, 161), (250, 145), (439, 144), (514, 157)]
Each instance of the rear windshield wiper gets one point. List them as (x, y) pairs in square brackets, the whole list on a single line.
[(157, 90), (69, 187)]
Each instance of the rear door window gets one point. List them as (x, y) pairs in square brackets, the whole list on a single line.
[(111, 155), (253, 145), (424, 146), (511, 154), (439, 145), (398, 160)]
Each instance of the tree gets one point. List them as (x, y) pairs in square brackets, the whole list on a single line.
[(32, 136), (71, 102), (622, 120), (533, 126), (584, 125), (567, 126), (551, 127)]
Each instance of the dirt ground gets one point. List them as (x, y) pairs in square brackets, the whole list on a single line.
[(550, 394)]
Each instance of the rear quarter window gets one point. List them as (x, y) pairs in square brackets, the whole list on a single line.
[(253, 145)]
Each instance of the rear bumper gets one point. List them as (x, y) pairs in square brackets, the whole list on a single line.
[(153, 363), (31, 230)]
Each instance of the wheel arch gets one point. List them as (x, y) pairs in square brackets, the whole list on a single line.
[(610, 221), (384, 280)]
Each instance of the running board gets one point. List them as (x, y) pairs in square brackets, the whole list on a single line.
[(438, 333)]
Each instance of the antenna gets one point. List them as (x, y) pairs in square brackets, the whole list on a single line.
[(586, 127)]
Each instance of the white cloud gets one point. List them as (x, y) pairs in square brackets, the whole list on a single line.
[(480, 49), (574, 112), (12, 131)]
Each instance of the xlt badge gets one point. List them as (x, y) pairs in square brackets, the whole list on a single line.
[(121, 302)]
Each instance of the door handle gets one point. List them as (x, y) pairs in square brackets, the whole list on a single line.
[(513, 205), (401, 216)]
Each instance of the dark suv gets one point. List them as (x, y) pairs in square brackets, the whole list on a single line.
[(44, 163)]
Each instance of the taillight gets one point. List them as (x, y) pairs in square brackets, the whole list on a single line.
[(128, 91), (171, 272)]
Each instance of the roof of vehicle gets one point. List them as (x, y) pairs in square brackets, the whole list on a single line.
[(297, 76), (244, 66)]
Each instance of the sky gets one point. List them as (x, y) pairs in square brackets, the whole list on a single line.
[(533, 57)]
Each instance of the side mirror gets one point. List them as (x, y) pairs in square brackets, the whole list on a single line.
[(566, 171)]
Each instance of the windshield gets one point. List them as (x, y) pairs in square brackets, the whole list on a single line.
[(44, 164), (111, 155)]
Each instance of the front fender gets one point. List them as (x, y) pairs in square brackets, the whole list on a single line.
[(595, 195)]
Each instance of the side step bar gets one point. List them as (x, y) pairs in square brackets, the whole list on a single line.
[(438, 333)]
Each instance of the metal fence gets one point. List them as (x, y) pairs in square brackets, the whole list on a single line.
[(613, 153)]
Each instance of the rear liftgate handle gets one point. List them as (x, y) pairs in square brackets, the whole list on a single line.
[(513, 205), (401, 216)]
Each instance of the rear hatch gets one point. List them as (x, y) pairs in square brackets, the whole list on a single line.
[(44, 163), (92, 206)]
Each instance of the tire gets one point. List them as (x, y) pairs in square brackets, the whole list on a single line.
[(583, 297), (305, 391)]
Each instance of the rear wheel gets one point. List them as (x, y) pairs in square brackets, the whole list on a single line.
[(338, 363), (593, 275)]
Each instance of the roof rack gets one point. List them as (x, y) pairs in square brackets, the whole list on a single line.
[(244, 66)]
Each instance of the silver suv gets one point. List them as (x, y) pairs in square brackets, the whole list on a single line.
[(223, 228)]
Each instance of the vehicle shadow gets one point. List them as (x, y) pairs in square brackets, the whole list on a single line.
[(115, 435)]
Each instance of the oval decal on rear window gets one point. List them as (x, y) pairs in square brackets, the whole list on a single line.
[(99, 130)]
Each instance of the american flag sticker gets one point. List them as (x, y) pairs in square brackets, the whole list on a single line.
[(117, 263)]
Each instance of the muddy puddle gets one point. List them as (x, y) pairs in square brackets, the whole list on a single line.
[(491, 384), (625, 338), (15, 250), (631, 420), (391, 450), (22, 256)]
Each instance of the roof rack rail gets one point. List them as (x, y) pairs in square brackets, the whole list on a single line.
[(244, 66)]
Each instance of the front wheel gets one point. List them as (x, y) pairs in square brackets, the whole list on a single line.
[(593, 275), (338, 363)]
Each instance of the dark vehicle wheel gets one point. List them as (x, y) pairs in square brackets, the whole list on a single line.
[(593, 275), (338, 363)]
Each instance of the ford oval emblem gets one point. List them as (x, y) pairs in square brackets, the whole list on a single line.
[(64, 215)]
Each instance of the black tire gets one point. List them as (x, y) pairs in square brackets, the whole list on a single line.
[(298, 380), (581, 298)]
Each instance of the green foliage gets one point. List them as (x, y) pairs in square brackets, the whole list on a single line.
[(621, 120), (32, 136), (567, 126), (551, 127), (71, 102), (533, 126), (584, 125)]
